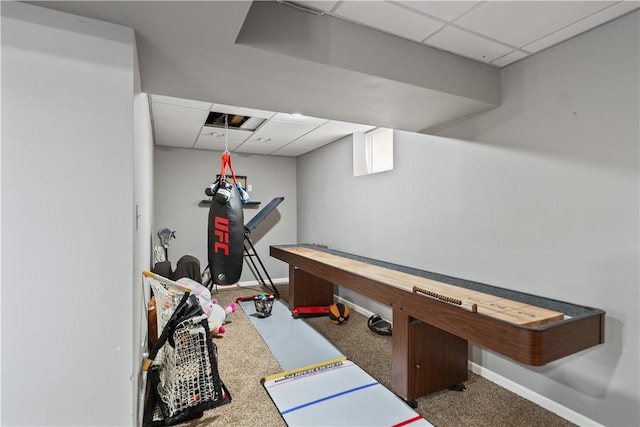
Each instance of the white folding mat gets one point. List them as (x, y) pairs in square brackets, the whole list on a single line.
[(321, 387), (292, 341)]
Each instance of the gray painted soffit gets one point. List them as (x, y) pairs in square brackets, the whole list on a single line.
[(441, 86)]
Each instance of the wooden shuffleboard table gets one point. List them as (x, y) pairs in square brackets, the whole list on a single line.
[(436, 316)]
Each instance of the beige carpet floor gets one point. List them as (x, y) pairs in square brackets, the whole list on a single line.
[(244, 359)]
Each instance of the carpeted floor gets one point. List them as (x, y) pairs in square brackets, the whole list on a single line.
[(244, 359)]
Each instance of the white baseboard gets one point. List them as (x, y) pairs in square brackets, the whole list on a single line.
[(532, 396), (249, 283)]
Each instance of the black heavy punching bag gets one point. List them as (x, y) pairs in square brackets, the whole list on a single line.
[(226, 228)]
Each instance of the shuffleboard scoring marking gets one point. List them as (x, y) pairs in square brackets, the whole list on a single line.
[(305, 370), (473, 307), (514, 312)]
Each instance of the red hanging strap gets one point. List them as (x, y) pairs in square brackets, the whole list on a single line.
[(226, 160)]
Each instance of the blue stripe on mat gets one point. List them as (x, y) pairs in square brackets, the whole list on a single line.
[(332, 396)]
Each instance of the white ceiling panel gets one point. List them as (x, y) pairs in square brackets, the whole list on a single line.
[(520, 22), (212, 138), (278, 133), (467, 44), (175, 134), (205, 144), (178, 114), (331, 131), (189, 103), (256, 148), (389, 18), (297, 149), (298, 118), (298, 132), (583, 25), (445, 10)]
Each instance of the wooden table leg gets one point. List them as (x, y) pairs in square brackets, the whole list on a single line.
[(308, 290), (425, 359)]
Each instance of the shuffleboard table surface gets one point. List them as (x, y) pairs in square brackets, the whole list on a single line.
[(516, 312)]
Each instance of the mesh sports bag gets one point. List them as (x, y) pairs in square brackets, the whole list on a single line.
[(183, 365)]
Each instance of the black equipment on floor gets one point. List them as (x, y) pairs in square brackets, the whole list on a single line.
[(378, 325), (249, 250), (187, 266)]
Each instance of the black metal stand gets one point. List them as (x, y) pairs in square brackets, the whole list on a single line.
[(250, 251), (249, 254)]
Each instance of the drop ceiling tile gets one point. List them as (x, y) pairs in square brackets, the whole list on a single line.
[(279, 133), (329, 132), (212, 138), (199, 105), (519, 23), (446, 10), (336, 128), (509, 58), (323, 135), (294, 150), (256, 148), (178, 114), (242, 111), (297, 118), (300, 147), (466, 44), (214, 145), (175, 134), (586, 24), (319, 5), (389, 18)]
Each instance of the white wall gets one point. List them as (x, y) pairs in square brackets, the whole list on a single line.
[(143, 238), (181, 176), (539, 195), (67, 219)]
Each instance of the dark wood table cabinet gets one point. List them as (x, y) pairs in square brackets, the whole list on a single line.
[(431, 331)]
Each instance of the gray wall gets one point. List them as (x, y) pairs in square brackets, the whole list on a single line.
[(539, 195), (180, 177), (142, 240), (68, 312)]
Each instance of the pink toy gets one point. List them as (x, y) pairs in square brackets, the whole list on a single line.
[(218, 317), (200, 291)]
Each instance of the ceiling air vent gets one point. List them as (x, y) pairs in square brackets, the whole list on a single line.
[(236, 121)]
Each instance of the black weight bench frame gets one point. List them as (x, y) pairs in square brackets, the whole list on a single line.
[(250, 251)]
